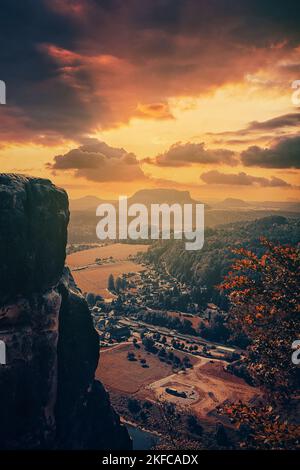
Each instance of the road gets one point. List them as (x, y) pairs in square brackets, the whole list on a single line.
[(166, 332)]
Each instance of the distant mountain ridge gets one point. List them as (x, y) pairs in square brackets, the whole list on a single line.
[(231, 203), (85, 203), (172, 196), (236, 204), (83, 211), (143, 196)]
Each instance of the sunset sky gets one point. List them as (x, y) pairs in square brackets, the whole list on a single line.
[(106, 97)]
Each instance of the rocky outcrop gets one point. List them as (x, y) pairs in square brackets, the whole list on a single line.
[(33, 233), (48, 395)]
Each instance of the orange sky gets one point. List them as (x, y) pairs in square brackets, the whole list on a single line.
[(179, 107)]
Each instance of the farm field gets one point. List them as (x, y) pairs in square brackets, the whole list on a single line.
[(206, 385), (120, 374), (119, 251), (94, 278)]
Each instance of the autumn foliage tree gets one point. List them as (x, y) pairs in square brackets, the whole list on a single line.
[(265, 305)]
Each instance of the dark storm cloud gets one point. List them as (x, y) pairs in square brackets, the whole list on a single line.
[(158, 14), (242, 179), (286, 120), (74, 66), (186, 154), (255, 129), (34, 88), (284, 154), (257, 22)]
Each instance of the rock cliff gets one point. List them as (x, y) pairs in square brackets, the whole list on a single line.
[(49, 397)]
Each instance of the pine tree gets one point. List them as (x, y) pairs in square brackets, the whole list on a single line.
[(111, 283), (118, 284)]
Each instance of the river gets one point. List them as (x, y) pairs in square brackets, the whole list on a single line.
[(142, 440)]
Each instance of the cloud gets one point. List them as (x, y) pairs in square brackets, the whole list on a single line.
[(97, 161), (74, 67), (242, 179), (243, 141), (284, 154), (180, 154), (154, 111), (279, 122), (254, 129)]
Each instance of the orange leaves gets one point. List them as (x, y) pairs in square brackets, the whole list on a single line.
[(233, 282), (265, 429), (264, 300), (265, 304), (259, 308), (247, 253), (263, 260)]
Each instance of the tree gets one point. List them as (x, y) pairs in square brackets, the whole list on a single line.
[(131, 356), (119, 285), (216, 331), (187, 362), (177, 361), (187, 327), (133, 405), (174, 434), (171, 356), (162, 352), (149, 344), (193, 425), (262, 427), (123, 282), (143, 416), (265, 304), (111, 283), (90, 298)]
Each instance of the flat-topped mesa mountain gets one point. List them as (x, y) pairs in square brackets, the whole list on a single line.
[(49, 397), (161, 196), (143, 196)]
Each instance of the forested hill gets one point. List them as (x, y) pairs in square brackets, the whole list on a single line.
[(207, 267)]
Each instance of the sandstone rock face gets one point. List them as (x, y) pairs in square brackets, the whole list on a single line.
[(48, 395), (34, 216)]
